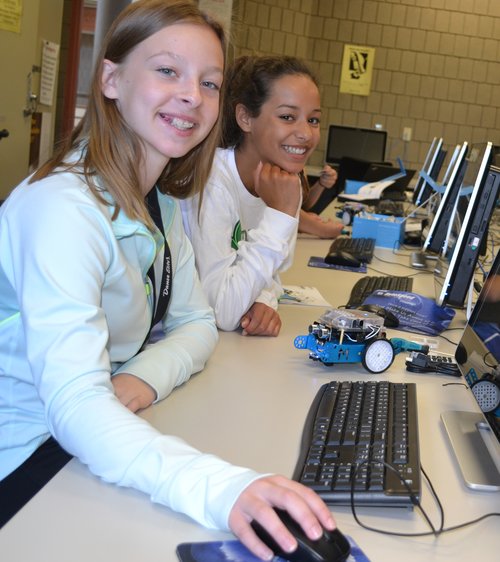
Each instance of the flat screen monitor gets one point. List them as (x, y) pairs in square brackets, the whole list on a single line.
[(355, 142), (432, 166), (439, 230), (475, 436), (453, 273)]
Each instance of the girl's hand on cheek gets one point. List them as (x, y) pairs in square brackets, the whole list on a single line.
[(278, 189)]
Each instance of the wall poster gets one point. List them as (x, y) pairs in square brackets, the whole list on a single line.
[(357, 68), (10, 15)]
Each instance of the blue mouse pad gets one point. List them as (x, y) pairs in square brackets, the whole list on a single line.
[(315, 261), (234, 551)]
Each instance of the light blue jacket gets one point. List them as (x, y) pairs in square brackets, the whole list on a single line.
[(75, 307)]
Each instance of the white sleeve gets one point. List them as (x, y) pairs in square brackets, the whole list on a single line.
[(188, 325), (66, 343), (234, 279)]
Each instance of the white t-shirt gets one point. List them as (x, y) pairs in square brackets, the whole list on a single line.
[(240, 243)]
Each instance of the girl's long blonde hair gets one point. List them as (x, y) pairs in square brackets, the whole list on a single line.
[(112, 150)]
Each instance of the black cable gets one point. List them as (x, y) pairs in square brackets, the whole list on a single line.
[(416, 502), (447, 339)]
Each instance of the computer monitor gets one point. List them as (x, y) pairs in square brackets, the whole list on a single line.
[(439, 230), (453, 273), (355, 142), (432, 166), (475, 436)]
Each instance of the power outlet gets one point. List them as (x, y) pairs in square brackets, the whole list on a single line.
[(407, 134)]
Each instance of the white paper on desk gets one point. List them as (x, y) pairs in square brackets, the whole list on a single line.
[(298, 294), (369, 191)]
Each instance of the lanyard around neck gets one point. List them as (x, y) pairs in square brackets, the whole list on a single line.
[(162, 297)]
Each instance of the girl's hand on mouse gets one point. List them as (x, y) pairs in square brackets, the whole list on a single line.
[(278, 189), (133, 392), (260, 320), (257, 502)]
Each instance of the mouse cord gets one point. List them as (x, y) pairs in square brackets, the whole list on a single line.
[(415, 501)]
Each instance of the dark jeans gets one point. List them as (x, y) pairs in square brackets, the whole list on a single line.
[(20, 486)]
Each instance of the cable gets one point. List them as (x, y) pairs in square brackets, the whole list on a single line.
[(418, 362), (416, 502)]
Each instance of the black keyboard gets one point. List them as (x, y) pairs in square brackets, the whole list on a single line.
[(361, 248), (351, 428), (365, 286)]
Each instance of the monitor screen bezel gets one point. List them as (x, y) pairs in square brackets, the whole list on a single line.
[(458, 264), (439, 230), (332, 142)]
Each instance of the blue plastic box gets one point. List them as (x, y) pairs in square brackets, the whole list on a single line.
[(388, 231)]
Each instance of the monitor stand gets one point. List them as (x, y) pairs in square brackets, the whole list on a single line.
[(419, 259), (476, 448), (470, 297)]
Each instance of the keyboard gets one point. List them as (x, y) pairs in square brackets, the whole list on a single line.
[(365, 286), (351, 428), (360, 248)]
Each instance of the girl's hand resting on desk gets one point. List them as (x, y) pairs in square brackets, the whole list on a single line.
[(278, 189), (257, 502), (133, 392), (260, 320)]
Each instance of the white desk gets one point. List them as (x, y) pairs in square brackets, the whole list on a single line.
[(248, 406)]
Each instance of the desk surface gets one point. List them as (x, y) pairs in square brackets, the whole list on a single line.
[(248, 406)]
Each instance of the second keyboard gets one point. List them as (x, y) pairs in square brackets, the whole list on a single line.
[(365, 286)]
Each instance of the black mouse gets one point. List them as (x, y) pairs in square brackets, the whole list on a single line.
[(331, 547), (342, 258), (390, 320)]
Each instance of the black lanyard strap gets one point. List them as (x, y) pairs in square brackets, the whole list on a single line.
[(161, 298)]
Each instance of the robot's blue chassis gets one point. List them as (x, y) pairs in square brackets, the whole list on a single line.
[(330, 352)]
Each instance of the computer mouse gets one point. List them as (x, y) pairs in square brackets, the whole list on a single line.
[(331, 547), (390, 320), (342, 258)]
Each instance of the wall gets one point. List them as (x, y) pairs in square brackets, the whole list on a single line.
[(41, 19), (436, 63)]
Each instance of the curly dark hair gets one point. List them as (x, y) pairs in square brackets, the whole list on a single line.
[(248, 81)]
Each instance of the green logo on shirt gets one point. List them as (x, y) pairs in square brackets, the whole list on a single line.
[(237, 235)]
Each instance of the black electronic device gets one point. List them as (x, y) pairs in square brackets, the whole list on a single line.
[(352, 429), (475, 436), (440, 227), (342, 258), (454, 273), (365, 286), (390, 208), (361, 250), (379, 172), (418, 362), (333, 546), (432, 166), (355, 142), (390, 320)]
